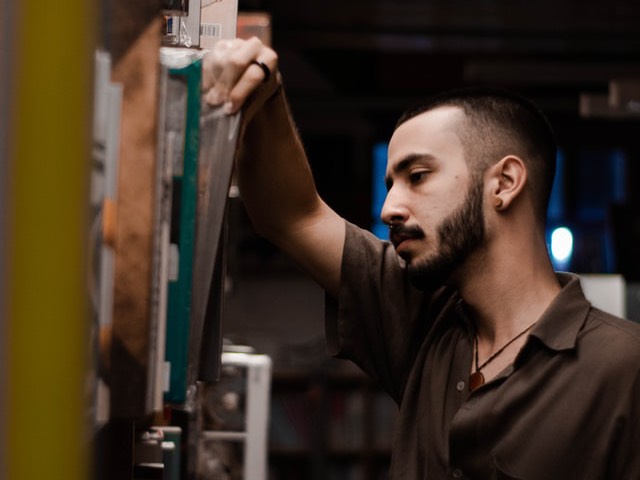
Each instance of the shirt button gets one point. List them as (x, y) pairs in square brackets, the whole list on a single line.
[(457, 473), (460, 386)]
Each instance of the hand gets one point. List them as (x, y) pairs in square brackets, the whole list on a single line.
[(230, 75)]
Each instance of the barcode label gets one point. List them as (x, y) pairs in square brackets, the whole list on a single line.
[(211, 30)]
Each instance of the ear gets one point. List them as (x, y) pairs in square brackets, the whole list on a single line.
[(507, 180)]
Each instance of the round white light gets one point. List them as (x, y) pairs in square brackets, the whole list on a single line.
[(561, 244)]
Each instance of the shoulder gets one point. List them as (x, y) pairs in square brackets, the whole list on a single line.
[(364, 254), (613, 327), (614, 341), (357, 237)]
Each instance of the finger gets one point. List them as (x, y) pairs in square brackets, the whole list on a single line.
[(252, 79), (231, 66), (213, 64), (237, 63)]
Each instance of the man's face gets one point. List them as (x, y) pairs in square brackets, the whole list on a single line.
[(434, 204)]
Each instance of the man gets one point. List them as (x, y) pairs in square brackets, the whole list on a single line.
[(500, 367)]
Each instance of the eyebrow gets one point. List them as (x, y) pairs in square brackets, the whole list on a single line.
[(405, 163)]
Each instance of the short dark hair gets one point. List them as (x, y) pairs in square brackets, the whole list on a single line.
[(502, 123)]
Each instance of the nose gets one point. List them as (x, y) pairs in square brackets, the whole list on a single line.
[(393, 209)]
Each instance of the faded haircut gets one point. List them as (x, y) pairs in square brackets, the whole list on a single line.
[(501, 123)]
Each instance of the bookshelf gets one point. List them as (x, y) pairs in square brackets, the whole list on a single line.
[(329, 425)]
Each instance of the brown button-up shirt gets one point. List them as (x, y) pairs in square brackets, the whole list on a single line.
[(568, 407)]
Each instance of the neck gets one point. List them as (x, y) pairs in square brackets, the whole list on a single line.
[(507, 288)]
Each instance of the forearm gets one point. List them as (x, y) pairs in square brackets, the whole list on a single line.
[(279, 192), (275, 180), (274, 176)]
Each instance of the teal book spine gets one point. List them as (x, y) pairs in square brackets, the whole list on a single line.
[(183, 232)]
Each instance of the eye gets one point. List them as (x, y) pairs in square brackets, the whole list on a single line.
[(417, 176)]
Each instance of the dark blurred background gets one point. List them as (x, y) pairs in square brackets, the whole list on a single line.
[(351, 67)]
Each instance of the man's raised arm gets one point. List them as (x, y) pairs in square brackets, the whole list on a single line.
[(275, 180)]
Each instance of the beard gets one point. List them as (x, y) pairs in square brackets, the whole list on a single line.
[(459, 235)]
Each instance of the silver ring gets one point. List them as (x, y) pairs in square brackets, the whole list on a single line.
[(266, 70)]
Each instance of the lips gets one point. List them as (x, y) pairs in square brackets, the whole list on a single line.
[(398, 239), (398, 234)]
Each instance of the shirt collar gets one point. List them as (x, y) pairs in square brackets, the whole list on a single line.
[(560, 323)]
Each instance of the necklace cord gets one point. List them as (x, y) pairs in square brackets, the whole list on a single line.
[(500, 350)]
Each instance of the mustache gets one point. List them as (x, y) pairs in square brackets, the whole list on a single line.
[(399, 232)]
